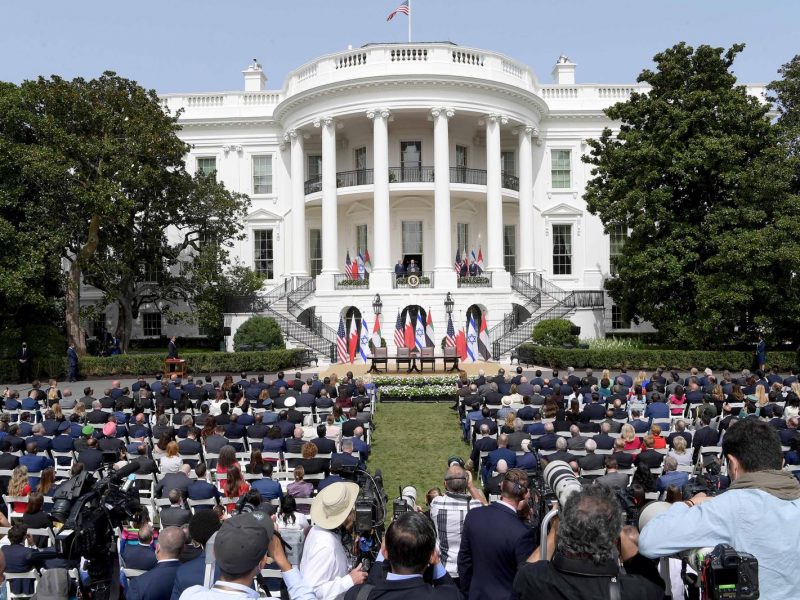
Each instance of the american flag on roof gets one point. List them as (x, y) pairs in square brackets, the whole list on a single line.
[(403, 8), (341, 343)]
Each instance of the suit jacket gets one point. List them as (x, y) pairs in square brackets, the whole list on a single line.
[(324, 445), (349, 426), (624, 459), (494, 543), (173, 481), (515, 440), (191, 573), (591, 462), (651, 458), (547, 441), (156, 584), (604, 441), (91, 458), (613, 480), (139, 557), (593, 411), (408, 589), (172, 350), (173, 516)]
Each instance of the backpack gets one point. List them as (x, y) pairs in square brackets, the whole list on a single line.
[(294, 537)]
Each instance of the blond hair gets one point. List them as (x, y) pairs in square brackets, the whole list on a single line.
[(19, 479)]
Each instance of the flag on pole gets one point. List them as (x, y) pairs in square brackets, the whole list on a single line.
[(367, 262), (461, 345), (363, 340), (480, 260), (475, 259), (399, 334), (419, 332), (457, 265), (450, 341), (348, 266), (429, 335), (483, 339), (376, 332), (472, 339), (352, 339), (360, 266), (341, 343), (403, 8), (409, 332)]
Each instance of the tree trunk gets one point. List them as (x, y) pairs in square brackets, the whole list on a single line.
[(72, 299), (124, 323)]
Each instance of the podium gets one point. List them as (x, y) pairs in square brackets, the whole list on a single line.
[(176, 366)]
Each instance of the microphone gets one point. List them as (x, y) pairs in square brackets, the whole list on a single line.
[(123, 473)]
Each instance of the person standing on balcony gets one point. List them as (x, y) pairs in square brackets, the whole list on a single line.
[(399, 269), (413, 269)]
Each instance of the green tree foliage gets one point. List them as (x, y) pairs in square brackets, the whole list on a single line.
[(697, 177), (554, 332), (259, 330)]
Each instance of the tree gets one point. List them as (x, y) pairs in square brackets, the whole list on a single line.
[(698, 179), (259, 330)]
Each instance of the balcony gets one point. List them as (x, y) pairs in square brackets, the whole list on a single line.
[(423, 280), (343, 281), (463, 175), (484, 280)]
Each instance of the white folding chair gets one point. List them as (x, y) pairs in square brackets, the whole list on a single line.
[(32, 575)]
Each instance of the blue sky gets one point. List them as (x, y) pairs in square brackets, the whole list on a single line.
[(200, 45)]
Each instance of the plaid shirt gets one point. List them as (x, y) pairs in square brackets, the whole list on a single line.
[(448, 513)]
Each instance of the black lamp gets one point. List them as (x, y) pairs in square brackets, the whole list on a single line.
[(448, 304), (377, 305)]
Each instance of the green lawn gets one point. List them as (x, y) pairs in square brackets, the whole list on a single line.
[(412, 444)]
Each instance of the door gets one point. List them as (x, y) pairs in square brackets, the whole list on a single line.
[(410, 161), (461, 165), (361, 165)]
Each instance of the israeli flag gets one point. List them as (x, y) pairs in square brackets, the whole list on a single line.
[(472, 340), (419, 332), (363, 340)]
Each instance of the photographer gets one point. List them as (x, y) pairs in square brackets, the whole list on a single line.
[(759, 514), (325, 564), (585, 550)]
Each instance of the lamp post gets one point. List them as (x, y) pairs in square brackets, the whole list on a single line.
[(377, 305), (448, 304)]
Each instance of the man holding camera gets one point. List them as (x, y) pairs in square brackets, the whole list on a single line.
[(759, 514), (585, 548)]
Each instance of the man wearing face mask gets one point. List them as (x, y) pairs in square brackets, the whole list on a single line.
[(758, 514), (325, 565)]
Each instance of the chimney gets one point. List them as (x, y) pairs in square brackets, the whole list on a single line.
[(254, 78), (564, 71)]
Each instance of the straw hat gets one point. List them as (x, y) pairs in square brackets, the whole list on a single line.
[(333, 505), (506, 401)]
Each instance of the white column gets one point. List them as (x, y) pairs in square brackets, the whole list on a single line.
[(494, 195), (526, 231), (381, 228), (443, 261), (330, 222), (298, 240)]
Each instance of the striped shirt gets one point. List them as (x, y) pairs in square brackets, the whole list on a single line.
[(448, 513)]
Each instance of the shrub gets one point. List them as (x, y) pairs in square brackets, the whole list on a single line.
[(259, 330), (649, 359), (43, 340), (554, 332)]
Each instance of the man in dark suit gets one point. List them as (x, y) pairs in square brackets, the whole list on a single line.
[(594, 411), (24, 361), (259, 429), (92, 457), (174, 481), (200, 489), (494, 542), (305, 399), (157, 583), (172, 348), (141, 556), (96, 416), (648, 456), (482, 444), (548, 440), (624, 459), (591, 461), (295, 443), (410, 543), (323, 444), (176, 514), (602, 439), (680, 431), (704, 436), (639, 425), (349, 426)]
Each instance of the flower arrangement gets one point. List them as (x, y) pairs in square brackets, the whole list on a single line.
[(408, 392), (441, 380)]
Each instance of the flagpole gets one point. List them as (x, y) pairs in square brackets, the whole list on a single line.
[(409, 21)]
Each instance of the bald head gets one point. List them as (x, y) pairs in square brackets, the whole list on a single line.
[(561, 443), (170, 543), (502, 441), (298, 432), (548, 427), (591, 445), (502, 466), (455, 480)]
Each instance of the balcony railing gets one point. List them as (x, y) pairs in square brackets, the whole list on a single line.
[(411, 175), (484, 280), (347, 282), (423, 280)]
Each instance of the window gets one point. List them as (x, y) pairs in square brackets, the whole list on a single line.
[(152, 274), (360, 162), (98, 325), (361, 239), (507, 163), (151, 324), (461, 165), (207, 165), (560, 169), (562, 249), (314, 166), (616, 241), (262, 174), (315, 253), (263, 252), (616, 318), (410, 161), (412, 237), (462, 237), (510, 248)]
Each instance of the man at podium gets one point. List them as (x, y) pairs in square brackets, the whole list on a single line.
[(172, 348)]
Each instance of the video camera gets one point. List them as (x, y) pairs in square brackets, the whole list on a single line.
[(728, 574)]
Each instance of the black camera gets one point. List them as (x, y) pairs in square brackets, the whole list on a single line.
[(728, 574)]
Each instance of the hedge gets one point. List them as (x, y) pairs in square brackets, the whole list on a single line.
[(646, 359), (554, 332), (149, 364)]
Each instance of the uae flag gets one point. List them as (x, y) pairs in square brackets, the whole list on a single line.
[(429, 335), (367, 262), (352, 340), (376, 332), (461, 345), (480, 260), (399, 334), (409, 332), (483, 339)]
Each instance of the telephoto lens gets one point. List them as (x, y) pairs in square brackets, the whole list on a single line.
[(560, 478)]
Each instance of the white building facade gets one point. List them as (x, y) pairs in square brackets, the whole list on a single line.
[(412, 151)]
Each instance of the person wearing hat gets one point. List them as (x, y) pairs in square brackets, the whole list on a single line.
[(325, 565), (409, 547), (292, 414), (240, 550)]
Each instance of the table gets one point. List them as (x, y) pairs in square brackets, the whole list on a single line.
[(176, 366), (413, 358)]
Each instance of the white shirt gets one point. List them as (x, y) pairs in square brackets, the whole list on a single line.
[(324, 565)]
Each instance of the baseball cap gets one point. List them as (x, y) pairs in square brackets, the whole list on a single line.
[(241, 543), (87, 430)]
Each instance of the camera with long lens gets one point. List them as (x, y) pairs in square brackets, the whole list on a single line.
[(728, 574), (370, 513), (561, 480)]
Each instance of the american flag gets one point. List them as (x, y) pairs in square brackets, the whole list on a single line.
[(348, 266), (451, 333), (403, 8), (399, 334), (341, 343), (457, 264)]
